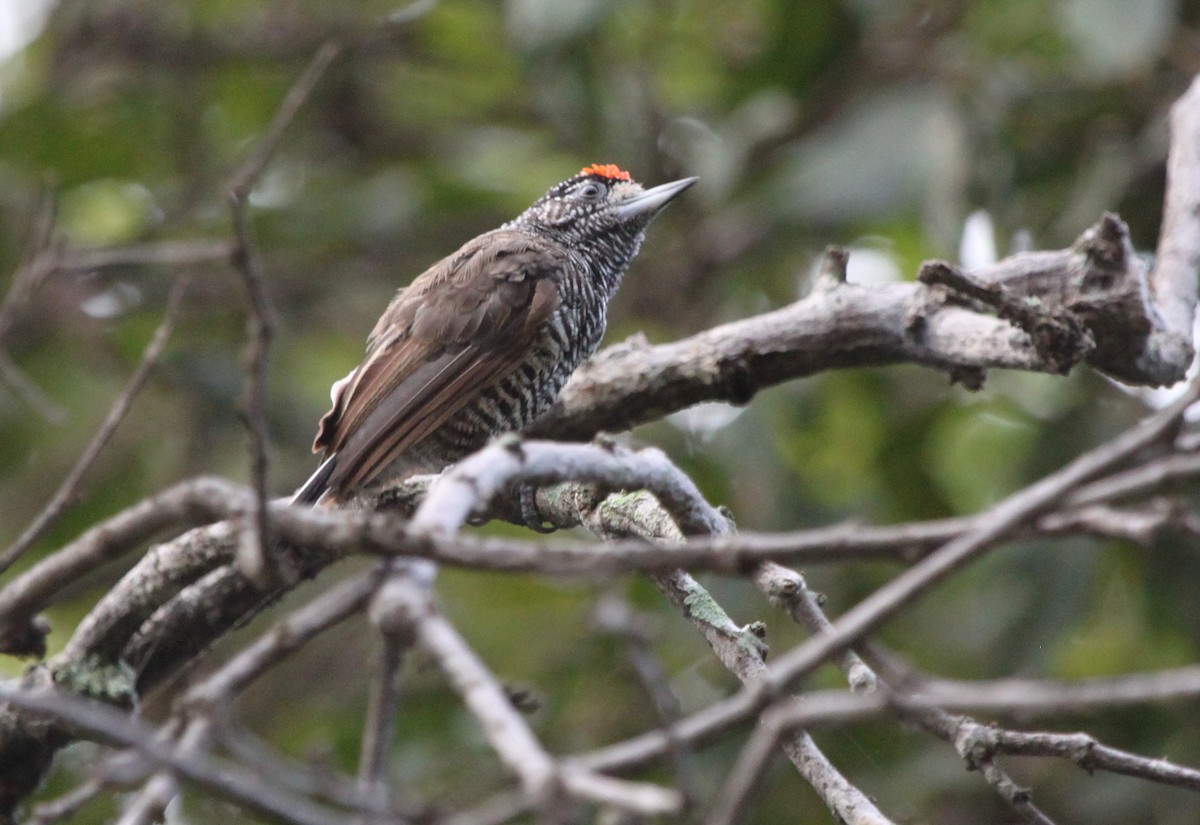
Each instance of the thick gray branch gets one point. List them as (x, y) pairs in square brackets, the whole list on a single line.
[(1098, 282)]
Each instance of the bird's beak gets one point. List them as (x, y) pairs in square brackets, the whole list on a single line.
[(651, 202)]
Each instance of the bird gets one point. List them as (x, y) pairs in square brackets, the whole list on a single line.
[(482, 342)]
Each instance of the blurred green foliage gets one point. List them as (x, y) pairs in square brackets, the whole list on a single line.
[(876, 125)]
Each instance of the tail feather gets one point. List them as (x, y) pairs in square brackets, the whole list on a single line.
[(318, 483)]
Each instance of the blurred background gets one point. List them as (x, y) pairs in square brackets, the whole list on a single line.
[(904, 130)]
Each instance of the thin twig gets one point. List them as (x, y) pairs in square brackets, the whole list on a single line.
[(287, 636), (1091, 755), (253, 554), (247, 176), (1028, 698), (966, 736), (742, 783), (50, 811), (260, 328), (29, 391), (379, 727), (917, 580), (787, 590), (508, 734), (181, 253), (37, 263), (102, 722), (546, 786), (615, 615), (496, 810), (311, 780), (156, 794), (1044, 697), (65, 495)]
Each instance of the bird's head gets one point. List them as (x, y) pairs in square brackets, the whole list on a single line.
[(601, 203)]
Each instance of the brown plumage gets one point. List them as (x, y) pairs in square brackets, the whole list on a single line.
[(483, 340), (461, 323)]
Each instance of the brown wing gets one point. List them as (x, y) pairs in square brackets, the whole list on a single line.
[(466, 320)]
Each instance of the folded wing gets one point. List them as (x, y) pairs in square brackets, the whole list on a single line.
[(462, 325)]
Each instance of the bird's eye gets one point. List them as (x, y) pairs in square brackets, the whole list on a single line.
[(590, 191)]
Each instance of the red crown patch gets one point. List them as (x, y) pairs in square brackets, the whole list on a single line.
[(606, 170)]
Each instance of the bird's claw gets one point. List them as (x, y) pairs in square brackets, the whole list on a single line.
[(530, 514)]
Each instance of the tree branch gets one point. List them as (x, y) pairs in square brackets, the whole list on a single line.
[(839, 325), (260, 327), (99, 721), (65, 494), (1173, 282)]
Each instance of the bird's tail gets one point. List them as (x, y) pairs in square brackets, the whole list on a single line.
[(318, 483)]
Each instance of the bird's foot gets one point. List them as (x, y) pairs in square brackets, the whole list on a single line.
[(530, 514)]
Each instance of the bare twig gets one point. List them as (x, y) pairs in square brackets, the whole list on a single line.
[(495, 810), (37, 264), (148, 807), (65, 495), (1000, 520), (186, 503), (211, 696), (29, 391), (380, 724), (247, 176), (45, 813), (617, 616), (787, 590), (742, 783), (963, 734), (1030, 697), (775, 726), (1091, 755), (181, 253), (253, 553), (102, 722), (1150, 475), (287, 636), (638, 799), (542, 781), (311, 780), (740, 649)]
